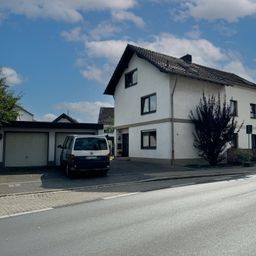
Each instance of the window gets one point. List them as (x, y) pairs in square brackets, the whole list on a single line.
[(90, 144), (131, 78), (253, 110), (233, 107), (148, 104), (148, 139)]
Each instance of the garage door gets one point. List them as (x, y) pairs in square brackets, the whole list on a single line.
[(26, 149)]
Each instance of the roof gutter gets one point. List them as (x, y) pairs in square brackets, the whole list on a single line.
[(172, 117)]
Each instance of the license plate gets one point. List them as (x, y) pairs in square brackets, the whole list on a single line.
[(91, 157)]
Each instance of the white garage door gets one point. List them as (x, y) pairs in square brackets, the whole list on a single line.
[(26, 149)]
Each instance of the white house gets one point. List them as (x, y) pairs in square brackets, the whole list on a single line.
[(154, 94), (23, 114)]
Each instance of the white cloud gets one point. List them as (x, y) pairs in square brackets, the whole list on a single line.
[(229, 10), (203, 51), (128, 16), (103, 30), (93, 73), (46, 118), (237, 67), (195, 33), (12, 77), (88, 111), (74, 35), (64, 10), (98, 74), (109, 49), (225, 30)]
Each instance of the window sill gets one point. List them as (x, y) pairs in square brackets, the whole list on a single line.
[(146, 113)]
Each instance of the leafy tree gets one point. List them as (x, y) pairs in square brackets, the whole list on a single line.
[(8, 101), (214, 127)]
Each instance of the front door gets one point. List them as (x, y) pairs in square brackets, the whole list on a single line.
[(125, 143)]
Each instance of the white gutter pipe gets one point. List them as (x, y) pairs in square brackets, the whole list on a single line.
[(172, 119)]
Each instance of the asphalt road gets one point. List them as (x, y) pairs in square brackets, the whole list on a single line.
[(203, 219)]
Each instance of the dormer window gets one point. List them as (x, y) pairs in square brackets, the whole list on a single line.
[(131, 78)]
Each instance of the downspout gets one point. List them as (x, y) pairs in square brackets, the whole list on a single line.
[(172, 118)]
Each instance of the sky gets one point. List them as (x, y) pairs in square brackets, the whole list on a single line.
[(60, 54)]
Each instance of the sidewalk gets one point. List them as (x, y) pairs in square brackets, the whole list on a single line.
[(125, 177), (185, 172)]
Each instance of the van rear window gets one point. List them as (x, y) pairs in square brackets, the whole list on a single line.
[(90, 144)]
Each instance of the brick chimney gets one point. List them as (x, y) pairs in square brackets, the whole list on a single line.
[(187, 58)]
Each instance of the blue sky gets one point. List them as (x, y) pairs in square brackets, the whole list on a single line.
[(59, 54)]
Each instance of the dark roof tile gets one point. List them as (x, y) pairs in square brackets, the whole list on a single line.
[(169, 64)]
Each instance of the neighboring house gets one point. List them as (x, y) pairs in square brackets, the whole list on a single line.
[(106, 117), (64, 118), (31, 143), (23, 114), (154, 94)]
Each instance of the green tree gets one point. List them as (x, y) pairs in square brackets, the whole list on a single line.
[(8, 101), (214, 127)]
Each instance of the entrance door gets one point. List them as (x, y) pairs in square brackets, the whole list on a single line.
[(125, 143)]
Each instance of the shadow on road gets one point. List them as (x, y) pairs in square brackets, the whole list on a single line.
[(124, 176)]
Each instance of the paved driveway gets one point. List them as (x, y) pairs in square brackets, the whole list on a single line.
[(23, 181)]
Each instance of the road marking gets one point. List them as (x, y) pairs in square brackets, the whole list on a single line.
[(25, 213), (122, 195), (19, 182), (14, 185)]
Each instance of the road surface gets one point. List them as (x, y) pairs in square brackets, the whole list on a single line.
[(203, 219)]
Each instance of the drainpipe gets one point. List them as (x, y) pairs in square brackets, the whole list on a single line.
[(172, 118)]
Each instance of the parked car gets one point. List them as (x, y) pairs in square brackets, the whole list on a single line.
[(84, 153)]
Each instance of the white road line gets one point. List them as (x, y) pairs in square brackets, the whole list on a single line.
[(25, 213), (20, 182), (14, 185), (122, 195)]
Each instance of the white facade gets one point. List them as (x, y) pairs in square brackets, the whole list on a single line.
[(186, 95), (24, 115)]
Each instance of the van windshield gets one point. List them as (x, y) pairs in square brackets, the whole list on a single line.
[(90, 144)]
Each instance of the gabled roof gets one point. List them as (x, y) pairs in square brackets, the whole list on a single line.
[(65, 116), (106, 116), (172, 65), (19, 107)]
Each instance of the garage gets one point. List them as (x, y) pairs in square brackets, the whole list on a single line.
[(34, 144), (25, 149)]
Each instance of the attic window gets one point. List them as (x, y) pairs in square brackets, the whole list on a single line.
[(131, 78)]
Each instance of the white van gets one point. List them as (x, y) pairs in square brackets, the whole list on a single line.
[(85, 152)]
